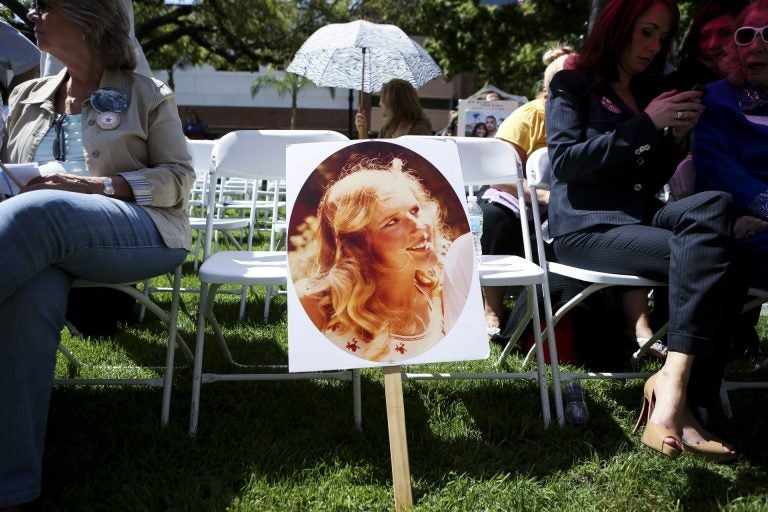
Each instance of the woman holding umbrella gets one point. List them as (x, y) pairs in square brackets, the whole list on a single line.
[(402, 112)]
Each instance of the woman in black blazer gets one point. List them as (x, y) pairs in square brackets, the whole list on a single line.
[(614, 139)]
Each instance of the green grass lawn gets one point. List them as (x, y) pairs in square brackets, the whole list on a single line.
[(474, 445)]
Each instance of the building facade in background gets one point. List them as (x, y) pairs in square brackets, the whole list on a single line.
[(222, 100)]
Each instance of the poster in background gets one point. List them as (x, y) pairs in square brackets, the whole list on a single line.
[(455, 330), (481, 118)]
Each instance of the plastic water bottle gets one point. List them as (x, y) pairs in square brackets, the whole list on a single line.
[(475, 224), (576, 412)]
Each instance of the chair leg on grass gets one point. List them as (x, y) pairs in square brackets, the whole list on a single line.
[(71, 358), (159, 313), (198, 359), (541, 369), (243, 298), (171, 349), (513, 340), (267, 300)]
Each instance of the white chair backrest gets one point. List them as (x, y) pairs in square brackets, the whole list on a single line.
[(537, 169), (201, 151), (255, 154), (482, 161), (488, 161), (494, 161), (261, 153)]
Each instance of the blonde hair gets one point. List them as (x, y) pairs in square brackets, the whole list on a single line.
[(106, 28), (731, 63), (555, 59), (345, 271)]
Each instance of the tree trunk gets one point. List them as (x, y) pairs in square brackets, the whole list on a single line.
[(294, 107), (171, 83)]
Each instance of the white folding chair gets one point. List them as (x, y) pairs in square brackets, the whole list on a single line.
[(234, 193), (537, 171), (143, 296), (487, 162), (235, 155), (201, 151), (201, 161), (759, 296), (174, 339)]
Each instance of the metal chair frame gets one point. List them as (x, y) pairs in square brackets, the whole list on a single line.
[(233, 155), (486, 162), (537, 171), (174, 339)]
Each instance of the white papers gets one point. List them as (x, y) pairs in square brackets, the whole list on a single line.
[(12, 176), (53, 167)]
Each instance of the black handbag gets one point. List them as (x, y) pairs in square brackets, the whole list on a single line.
[(96, 312)]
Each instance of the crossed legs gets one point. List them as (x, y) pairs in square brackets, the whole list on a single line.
[(689, 244), (47, 238)]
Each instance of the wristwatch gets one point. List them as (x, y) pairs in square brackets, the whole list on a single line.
[(109, 190)]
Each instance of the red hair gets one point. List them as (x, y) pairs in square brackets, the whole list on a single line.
[(612, 34)]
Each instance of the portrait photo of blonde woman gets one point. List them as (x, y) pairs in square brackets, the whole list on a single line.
[(379, 252)]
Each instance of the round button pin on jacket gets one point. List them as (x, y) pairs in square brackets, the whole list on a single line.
[(108, 120)]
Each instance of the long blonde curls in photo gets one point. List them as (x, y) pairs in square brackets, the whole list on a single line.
[(346, 273)]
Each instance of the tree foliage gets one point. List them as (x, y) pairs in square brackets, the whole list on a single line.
[(284, 83), (500, 44), (226, 34), (231, 34), (15, 13), (402, 13), (503, 44)]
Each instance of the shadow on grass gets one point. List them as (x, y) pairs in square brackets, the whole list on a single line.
[(106, 451)]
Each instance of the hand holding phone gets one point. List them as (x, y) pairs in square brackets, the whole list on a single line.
[(701, 88)]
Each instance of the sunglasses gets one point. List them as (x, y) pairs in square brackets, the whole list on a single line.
[(745, 35), (59, 151)]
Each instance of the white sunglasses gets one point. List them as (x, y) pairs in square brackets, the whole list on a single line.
[(745, 35)]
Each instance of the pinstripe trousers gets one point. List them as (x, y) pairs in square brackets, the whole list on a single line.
[(687, 243)]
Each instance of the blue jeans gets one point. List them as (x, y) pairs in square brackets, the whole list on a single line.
[(48, 237)]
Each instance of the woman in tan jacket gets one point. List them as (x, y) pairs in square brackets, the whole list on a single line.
[(109, 207)]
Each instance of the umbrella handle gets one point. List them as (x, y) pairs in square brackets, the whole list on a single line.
[(362, 134), (362, 79)]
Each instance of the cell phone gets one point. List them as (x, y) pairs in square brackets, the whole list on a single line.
[(699, 87)]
